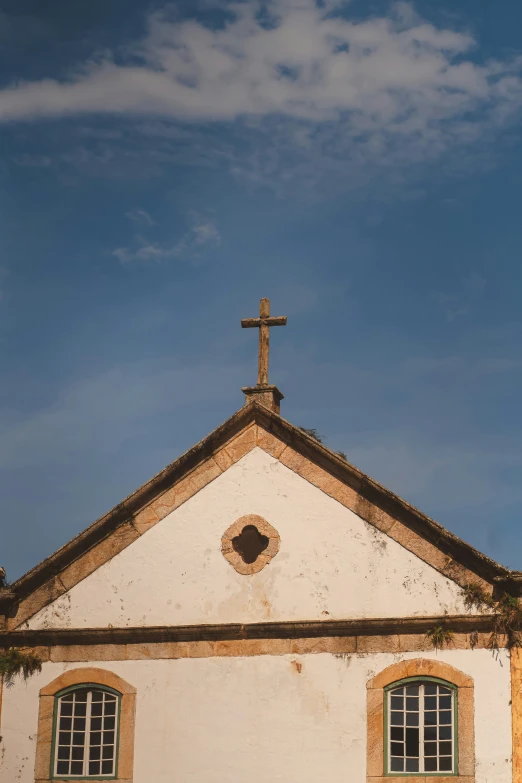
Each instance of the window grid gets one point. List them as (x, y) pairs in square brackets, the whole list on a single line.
[(421, 729), (86, 734)]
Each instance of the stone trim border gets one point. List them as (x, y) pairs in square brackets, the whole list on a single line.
[(516, 711), (387, 628), (46, 709), (241, 648), (251, 426), (235, 559), (207, 641), (419, 667)]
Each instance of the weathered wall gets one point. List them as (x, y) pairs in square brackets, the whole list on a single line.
[(222, 720), (331, 565)]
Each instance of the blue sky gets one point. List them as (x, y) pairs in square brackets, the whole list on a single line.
[(162, 167)]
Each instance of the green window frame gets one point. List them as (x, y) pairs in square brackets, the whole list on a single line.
[(423, 723), (88, 730)]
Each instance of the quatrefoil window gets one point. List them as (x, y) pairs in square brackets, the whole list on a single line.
[(250, 544)]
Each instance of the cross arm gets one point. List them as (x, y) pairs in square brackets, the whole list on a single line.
[(248, 323)]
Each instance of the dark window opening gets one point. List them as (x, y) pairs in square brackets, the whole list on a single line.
[(250, 543)]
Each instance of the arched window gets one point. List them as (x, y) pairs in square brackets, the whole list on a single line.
[(420, 726), (86, 721), (420, 723), (86, 731)]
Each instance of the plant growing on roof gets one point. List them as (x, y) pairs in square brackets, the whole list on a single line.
[(506, 612), (312, 433), (13, 661), (476, 597)]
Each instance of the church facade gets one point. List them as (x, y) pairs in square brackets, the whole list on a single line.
[(262, 611)]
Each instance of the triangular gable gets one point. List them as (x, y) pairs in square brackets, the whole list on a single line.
[(252, 426)]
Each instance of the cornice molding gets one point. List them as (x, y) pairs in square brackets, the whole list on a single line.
[(236, 631)]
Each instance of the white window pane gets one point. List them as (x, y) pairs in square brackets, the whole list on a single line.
[(420, 728), (86, 734)]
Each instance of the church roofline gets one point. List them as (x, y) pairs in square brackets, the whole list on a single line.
[(122, 512), (370, 491)]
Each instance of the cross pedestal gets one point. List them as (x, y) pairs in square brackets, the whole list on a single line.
[(268, 395)]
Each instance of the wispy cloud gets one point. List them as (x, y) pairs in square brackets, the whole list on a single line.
[(298, 60), (140, 216), (466, 295), (312, 99), (451, 307), (203, 234)]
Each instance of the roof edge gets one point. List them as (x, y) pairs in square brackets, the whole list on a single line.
[(125, 510), (254, 413), (388, 501)]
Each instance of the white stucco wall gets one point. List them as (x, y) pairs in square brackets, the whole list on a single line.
[(331, 565), (223, 720)]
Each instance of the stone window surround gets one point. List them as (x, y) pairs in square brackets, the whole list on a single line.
[(46, 711), (516, 710), (235, 559), (419, 667)]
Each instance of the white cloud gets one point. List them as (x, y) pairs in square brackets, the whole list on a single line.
[(466, 295), (313, 102), (140, 216), (399, 73), (202, 234)]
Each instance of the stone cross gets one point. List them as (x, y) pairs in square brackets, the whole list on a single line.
[(263, 323)]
